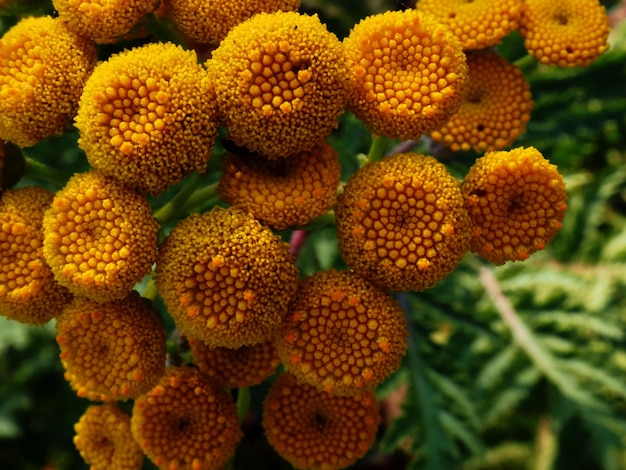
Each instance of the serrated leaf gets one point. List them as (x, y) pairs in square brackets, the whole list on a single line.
[(493, 370), (458, 429), (583, 322), (465, 405), (602, 378), (516, 390)]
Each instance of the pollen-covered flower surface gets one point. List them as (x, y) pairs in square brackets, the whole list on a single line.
[(104, 440), (28, 291), (407, 73), (186, 422), (316, 430), (567, 33), (148, 117), (341, 335), (495, 108), (281, 83), (225, 279), (116, 349), (476, 23), (516, 201), (402, 223), (99, 236), (102, 20), (43, 68), (285, 192)]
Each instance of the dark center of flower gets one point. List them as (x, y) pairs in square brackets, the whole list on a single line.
[(320, 421)]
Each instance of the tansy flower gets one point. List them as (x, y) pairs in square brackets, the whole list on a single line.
[(516, 201), (207, 21), (281, 83), (495, 109), (116, 349), (225, 279), (43, 68), (316, 430), (104, 440), (402, 223), (241, 367), (286, 192), (102, 20), (567, 33), (99, 237), (408, 73), (186, 422), (148, 117), (77, 384), (28, 291), (476, 23), (342, 334)]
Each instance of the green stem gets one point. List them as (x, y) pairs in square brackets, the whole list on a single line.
[(377, 148), (162, 29), (328, 218), (40, 171), (172, 208), (243, 402), (201, 196), (525, 63)]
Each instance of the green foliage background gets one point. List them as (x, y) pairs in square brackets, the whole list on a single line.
[(517, 367)]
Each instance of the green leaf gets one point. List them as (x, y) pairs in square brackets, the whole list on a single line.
[(493, 371), (458, 429), (458, 395)]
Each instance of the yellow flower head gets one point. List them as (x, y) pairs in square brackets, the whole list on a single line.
[(282, 193), (495, 109), (241, 367), (341, 335), (104, 440), (516, 201), (281, 83), (408, 73), (76, 383), (186, 422), (100, 238), (148, 117), (402, 223), (316, 430), (28, 291), (225, 279), (116, 349), (208, 21), (476, 23), (102, 20), (567, 33), (43, 68)]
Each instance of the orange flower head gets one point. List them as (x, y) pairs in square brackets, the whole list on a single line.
[(516, 201), (282, 193), (148, 116), (225, 279), (476, 23), (402, 223), (316, 430), (281, 83), (242, 367), (28, 291), (495, 109), (102, 20), (100, 238), (76, 383), (104, 440), (567, 33), (408, 73), (186, 422), (43, 68), (208, 21), (341, 335), (114, 349)]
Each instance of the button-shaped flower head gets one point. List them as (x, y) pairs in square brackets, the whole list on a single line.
[(104, 440), (476, 23), (43, 68), (281, 83), (341, 335), (186, 422), (116, 349), (408, 73), (148, 117), (100, 238), (316, 430), (567, 33), (495, 109), (286, 192), (225, 279), (402, 223), (28, 291)]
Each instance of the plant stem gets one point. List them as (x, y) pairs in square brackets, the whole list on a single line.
[(377, 148), (201, 196), (243, 402), (40, 171), (172, 208)]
